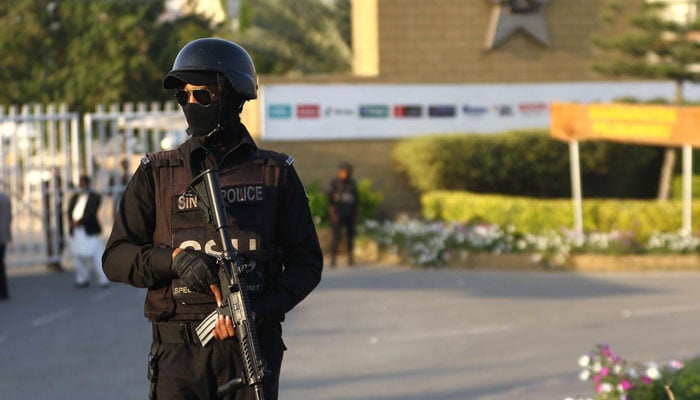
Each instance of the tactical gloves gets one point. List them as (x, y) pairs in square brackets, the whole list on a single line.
[(196, 269)]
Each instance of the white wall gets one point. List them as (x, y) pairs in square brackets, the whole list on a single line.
[(368, 111)]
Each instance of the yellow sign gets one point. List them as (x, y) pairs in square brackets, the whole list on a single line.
[(641, 124)]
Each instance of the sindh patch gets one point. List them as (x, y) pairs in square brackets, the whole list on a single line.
[(185, 202)]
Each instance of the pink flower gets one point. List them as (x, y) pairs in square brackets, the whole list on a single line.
[(646, 379), (625, 384), (604, 371), (675, 364)]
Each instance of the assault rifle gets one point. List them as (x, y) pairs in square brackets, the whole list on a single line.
[(235, 300)]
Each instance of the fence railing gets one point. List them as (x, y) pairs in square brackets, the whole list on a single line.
[(44, 149)]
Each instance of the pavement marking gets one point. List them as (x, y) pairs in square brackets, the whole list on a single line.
[(49, 318), (661, 310), (445, 334)]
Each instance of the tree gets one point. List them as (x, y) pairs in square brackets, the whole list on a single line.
[(85, 53), (654, 48), (296, 36)]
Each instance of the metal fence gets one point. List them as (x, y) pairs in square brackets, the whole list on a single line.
[(44, 150)]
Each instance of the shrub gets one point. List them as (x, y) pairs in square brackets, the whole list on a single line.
[(526, 163), (683, 382), (318, 203), (614, 378), (640, 217), (677, 187)]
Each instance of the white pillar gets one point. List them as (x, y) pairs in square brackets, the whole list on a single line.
[(576, 194), (687, 189)]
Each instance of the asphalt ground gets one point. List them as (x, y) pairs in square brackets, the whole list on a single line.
[(369, 332)]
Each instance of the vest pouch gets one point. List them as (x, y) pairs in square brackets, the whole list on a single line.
[(159, 303), (191, 305), (183, 295)]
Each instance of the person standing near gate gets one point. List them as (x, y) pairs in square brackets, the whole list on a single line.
[(343, 200), (161, 241), (5, 238), (85, 229), (52, 195)]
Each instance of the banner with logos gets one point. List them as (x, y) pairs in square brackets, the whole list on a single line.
[(379, 111), (630, 123)]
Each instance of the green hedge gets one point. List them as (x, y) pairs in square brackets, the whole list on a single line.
[(677, 187), (684, 383), (527, 163), (640, 217)]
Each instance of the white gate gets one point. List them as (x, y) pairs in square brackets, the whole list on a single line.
[(45, 149)]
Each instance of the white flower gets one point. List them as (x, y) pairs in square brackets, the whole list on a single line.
[(584, 360), (653, 371), (597, 367), (584, 375), (605, 388)]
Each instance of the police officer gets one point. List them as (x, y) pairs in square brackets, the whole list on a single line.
[(161, 241), (343, 200)]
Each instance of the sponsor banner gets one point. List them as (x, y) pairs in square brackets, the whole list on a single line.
[(442, 111), (372, 111), (640, 124), (281, 111), (308, 111), (473, 110), (503, 110), (408, 111), (533, 108)]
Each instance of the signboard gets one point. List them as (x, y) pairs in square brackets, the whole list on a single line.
[(380, 111), (627, 123), (640, 124)]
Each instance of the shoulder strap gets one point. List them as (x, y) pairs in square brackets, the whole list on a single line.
[(279, 161), (169, 158)]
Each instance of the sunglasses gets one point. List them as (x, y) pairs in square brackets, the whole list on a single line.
[(203, 96)]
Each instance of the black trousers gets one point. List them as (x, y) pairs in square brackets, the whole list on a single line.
[(337, 231), (193, 372)]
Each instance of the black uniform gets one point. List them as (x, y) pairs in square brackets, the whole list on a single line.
[(272, 227), (343, 200)]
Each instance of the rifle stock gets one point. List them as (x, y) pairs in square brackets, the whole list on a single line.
[(236, 302)]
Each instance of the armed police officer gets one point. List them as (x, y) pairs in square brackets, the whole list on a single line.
[(161, 241), (343, 201)]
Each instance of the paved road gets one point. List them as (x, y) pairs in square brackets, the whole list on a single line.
[(370, 333)]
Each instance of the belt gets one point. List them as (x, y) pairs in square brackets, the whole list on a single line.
[(178, 332)]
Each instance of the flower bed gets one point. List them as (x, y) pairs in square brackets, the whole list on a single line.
[(614, 378), (440, 244)]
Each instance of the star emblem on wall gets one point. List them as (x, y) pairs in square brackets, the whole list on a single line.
[(509, 16)]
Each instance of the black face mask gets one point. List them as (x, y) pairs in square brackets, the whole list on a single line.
[(201, 120)]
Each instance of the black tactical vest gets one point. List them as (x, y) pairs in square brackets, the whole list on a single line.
[(250, 194)]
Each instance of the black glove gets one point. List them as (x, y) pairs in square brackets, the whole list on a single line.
[(197, 269)]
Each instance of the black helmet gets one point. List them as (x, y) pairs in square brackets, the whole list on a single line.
[(214, 55)]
